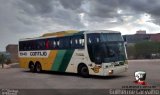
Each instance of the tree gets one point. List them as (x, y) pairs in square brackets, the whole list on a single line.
[(146, 48), (2, 59), (130, 51)]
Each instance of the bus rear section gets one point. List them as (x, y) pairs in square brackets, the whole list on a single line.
[(51, 53)]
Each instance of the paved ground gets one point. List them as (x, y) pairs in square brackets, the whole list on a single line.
[(16, 78)]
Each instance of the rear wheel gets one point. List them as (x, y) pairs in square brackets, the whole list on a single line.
[(38, 68), (83, 71)]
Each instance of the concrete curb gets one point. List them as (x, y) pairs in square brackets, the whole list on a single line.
[(7, 66)]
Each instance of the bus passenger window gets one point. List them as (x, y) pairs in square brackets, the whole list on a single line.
[(46, 44), (58, 43), (76, 42), (54, 44), (82, 42), (71, 42), (90, 41), (97, 40)]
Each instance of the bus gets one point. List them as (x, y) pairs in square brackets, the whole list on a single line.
[(96, 52)]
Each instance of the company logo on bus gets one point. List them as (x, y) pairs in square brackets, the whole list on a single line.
[(33, 53), (96, 69)]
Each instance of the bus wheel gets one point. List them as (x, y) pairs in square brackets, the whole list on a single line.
[(31, 67), (38, 67), (83, 71)]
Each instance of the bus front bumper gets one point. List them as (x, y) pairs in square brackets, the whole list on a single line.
[(114, 70)]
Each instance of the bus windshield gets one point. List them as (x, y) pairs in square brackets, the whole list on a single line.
[(106, 47), (109, 52)]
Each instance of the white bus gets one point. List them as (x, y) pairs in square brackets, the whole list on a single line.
[(99, 52)]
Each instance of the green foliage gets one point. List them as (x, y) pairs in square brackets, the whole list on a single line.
[(2, 58), (5, 58), (146, 49), (131, 51)]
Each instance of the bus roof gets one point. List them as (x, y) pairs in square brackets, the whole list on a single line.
[(101, 31), (67, 33), (60, 33)]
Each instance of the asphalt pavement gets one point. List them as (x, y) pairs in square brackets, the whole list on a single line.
[(18, 78)]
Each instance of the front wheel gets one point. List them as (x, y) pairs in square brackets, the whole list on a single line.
[(83, 71)]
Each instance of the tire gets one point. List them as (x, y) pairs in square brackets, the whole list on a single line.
[(31, 67), (83, 71), (38, 68)]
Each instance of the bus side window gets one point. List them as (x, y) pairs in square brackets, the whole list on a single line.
[(46, 44), (57, 43), (30, 45), (37, 44), (81, 41), (24, 46), (66, 43), (54, 44), (77, 41), (21, 48), (27, 46), (73, 42), (33, 45), (61, 42), (93, 38), (42, 44), (50, 43)]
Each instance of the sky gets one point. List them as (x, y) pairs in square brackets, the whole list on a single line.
[(32, 18)]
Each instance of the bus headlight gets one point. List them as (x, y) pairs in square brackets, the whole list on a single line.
[(110, 72)]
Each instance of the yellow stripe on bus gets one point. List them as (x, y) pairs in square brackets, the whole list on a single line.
[(45, 62)]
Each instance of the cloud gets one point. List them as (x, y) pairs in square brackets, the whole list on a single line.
[(31, 18), (71, 4), (37, 6)]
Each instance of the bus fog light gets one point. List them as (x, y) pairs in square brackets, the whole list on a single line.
[(110, 72)]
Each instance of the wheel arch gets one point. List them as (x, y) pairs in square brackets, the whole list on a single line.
[(37, 62), (80, 65), (30, 63)]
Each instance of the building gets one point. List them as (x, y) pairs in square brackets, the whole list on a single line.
[(141, 36), (141, 32), (136, 38), (13, 50), (155, 37)]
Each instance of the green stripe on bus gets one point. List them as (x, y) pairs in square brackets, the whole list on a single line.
[(58, 60), (66, 60)]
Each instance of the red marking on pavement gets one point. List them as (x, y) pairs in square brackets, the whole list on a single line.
[(140, 82)]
